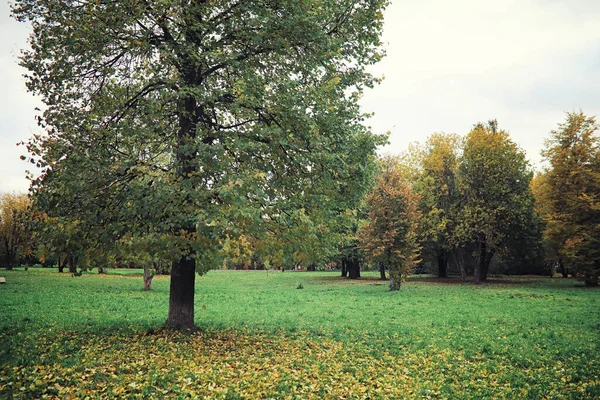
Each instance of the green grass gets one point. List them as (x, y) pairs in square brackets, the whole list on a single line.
[(261, 336)]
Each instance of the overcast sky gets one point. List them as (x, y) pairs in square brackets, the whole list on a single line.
[(449, 65)]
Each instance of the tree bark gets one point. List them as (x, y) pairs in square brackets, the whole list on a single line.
[(460, 263), (61, 266), (181, 299), (442, 261), (562, 269), (72, 264), (483, 262), (344, 268), (382, 272), (353, 268)]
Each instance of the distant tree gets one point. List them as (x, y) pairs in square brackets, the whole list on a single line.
[(437, 185), (572, 195), (497, 205), (15, 228), (390, 235), (185, 121)]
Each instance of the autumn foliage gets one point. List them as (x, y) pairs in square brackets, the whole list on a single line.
[(390, 235), (571, 196)]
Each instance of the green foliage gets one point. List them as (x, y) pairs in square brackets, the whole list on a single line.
[(529, 338), (571, 195), (185, 125), (494, 179)]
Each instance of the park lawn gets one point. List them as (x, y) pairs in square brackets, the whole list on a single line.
[(262, 337)]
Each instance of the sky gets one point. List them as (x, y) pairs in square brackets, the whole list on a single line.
[(449, 65)]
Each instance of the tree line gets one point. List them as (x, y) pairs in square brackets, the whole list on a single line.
[(456, 203), (186, 133)]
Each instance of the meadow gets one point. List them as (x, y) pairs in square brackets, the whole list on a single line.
[(298, 335)]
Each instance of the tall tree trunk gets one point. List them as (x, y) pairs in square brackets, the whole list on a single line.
[(460, 264), (442, 261), (486, 265), (562, 268), (183, 271), (61, 266), (72, 264), (354, 268), (484, 258), (344, 268), (181, 299), (8, 255), (382, 272)]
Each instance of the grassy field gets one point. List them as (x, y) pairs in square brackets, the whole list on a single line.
[(262, 337)]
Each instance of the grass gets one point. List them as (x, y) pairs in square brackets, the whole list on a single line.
[(98, 336)]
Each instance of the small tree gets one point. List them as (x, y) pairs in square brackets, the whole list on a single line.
[(15, 235), (390, 236)]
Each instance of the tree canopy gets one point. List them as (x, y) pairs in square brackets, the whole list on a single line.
[(390, 235), (571, 195), (182, 124)]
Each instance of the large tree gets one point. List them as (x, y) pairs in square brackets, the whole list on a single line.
[(497, 202), (189, 122), (573, 195), (437, 184)]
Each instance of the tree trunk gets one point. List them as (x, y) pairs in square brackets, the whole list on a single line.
[(344, 268), (395, 279), (562, 269), (353, 268), (101, 270), (9, 264), (442, 261), (460, 263), (483, 262), (181, 299), (61, 266), (382, 272), (591, 280), (72, 265), (148, 275)]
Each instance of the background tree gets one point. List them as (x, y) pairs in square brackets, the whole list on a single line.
[(185, 121), (15, 228), (438, 188), (390, 235), (540, 188), (573, 195), (494, 179)]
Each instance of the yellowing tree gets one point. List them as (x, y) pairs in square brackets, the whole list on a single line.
[(573, 195), (14, 236), (390, 236), (497, 204), (440, 196)]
